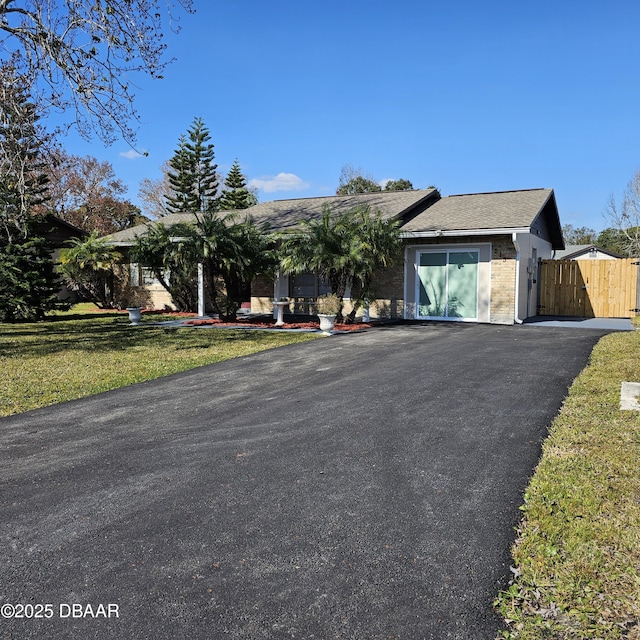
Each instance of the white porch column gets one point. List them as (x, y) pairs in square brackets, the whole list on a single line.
[(280, 290), (200, 289)]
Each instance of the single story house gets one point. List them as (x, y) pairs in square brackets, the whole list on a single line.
[(585, 252), (467, 257), (58, 233)]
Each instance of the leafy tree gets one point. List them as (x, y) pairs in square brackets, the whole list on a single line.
[(398, 185), (192, 179), (106, 215), (88, 267), (80, 55), (353, 181), (581, 235), (613, 240), (85, 192), (170, 253), (625, 218), (345, 249), (359, 184), (235, 195)]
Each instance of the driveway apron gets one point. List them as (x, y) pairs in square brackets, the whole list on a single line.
[(360, 486)]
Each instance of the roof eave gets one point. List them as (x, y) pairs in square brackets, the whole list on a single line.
[(450, 233), (120, 243)]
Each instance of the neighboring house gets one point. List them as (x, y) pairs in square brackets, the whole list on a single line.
[(467, 258), (57, 233), (585, 252)]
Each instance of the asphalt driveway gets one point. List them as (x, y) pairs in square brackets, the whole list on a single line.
[(361, 486)]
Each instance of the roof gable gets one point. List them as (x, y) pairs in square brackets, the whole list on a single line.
[(503, 211), (57, 231), (572, 251)]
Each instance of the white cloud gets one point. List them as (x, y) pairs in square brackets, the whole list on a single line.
[(131, 154), (281, 182)]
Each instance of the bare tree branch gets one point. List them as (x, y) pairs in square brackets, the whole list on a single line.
[(81, 54), (626, 218)]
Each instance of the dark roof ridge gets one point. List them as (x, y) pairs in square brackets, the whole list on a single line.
[(491, 193), (345, 195)]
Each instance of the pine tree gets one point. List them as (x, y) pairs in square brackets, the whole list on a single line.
[(235, 194), (23, 183), (28, 282), (193, 179)]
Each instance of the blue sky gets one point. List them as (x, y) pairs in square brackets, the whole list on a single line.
[(464, 95)]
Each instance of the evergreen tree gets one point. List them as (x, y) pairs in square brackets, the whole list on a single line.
[(28, 282), (23, 183), (192, 179), (29, 285), (235, 194)]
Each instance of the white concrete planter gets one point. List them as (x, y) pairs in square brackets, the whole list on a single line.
[(135, 314), (327, 322)]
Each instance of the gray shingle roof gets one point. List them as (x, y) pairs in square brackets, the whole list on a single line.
[(425, 212), (282, 215), (500, 210), (573, 250), (128, 236)]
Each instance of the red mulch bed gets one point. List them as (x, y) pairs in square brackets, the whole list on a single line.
[(260, 323), (264, 324)]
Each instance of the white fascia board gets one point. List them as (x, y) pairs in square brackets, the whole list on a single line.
[(449, 233), (120, 243)]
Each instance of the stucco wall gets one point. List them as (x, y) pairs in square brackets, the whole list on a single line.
[(532, 249)]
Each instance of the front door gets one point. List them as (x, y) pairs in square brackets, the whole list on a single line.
[(448, 284)]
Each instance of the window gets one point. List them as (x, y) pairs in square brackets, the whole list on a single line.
[(307, 285)]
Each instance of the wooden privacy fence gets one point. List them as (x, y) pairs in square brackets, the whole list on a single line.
[(589, 288)]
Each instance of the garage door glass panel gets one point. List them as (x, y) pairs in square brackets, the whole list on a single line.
[(432, 275), (462, 294)]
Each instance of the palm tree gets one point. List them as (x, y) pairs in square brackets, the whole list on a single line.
[(345, 249), (233, 254), (88, 267), (170, 253), (381, 247)]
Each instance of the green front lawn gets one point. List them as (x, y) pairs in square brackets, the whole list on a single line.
[(83, 352), (577, 554)]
